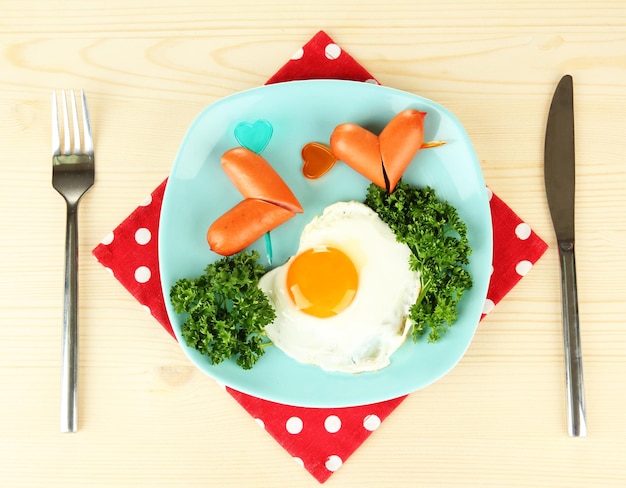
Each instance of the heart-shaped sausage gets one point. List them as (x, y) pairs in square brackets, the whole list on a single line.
[(384, 158), (268, 202)]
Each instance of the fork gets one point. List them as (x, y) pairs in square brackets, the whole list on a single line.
[(73, 169)]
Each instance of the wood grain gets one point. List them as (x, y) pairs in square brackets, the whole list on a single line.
[(147, 417)]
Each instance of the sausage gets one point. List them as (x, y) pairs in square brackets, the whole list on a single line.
[(243, 224), (254, 177), (400, 141), (359, 149)]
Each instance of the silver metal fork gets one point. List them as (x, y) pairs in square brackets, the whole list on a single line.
[(73, 171)]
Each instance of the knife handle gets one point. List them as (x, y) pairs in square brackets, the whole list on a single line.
[(576, 414)]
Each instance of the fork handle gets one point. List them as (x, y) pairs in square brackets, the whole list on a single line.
[(69, 373)]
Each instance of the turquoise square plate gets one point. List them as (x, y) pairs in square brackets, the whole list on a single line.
[(300, 112)]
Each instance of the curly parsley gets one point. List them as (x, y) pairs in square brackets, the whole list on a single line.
[(227, 312), (437, 238)]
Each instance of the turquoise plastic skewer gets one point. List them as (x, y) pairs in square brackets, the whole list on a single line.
[(268, 247)]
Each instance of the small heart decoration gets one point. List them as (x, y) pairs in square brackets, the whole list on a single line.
[(318, 159), (254, 136)]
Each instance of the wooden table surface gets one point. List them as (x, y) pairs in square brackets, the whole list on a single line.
[(147, 418)]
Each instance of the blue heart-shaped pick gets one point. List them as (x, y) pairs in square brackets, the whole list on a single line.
[(254, 136)]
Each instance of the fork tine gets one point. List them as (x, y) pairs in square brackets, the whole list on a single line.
[(86, 126), (66, 125), (75, 124), (56, 138)]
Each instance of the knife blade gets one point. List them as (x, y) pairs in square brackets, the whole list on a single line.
[(560, 177)]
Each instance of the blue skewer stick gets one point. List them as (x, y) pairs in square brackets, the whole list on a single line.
[(268, 247)]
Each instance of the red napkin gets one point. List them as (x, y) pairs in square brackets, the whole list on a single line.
[(320, 439)]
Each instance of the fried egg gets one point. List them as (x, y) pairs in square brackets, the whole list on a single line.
[(342, 300)]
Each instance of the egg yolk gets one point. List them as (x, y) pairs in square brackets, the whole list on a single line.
[(322, 281)]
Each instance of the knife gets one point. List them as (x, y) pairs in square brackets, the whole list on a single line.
[(559, 176)]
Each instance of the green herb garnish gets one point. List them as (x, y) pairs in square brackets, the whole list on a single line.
[(227, 311), (437, 238)]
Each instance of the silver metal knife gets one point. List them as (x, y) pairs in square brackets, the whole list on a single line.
[(559, 175)]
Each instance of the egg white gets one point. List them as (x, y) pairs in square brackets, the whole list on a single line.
[(364, 335)]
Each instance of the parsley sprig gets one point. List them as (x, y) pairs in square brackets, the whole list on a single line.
[(227, 312), (437, 237)]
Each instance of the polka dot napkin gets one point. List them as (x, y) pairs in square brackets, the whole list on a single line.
[(319, 439)]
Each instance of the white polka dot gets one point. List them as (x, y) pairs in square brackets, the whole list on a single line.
[(294, 425), (332, 51), (110, 271), (298, 461), (142, 274), (147, 201), (371, 422), (298, 54), (333, 463), (488, 306), (143, 236), (260, 422), (108, 239), (489, 194), (146, 309), (372, 81), (332, 424), (522, 231), (523, 267)]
